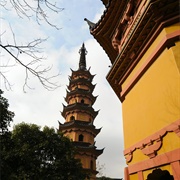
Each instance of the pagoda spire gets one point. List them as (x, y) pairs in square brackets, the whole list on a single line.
[(82, 60)]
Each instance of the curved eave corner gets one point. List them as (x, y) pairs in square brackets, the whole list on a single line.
[(105, 2), (100, 33), (104, 42), (99, 152)]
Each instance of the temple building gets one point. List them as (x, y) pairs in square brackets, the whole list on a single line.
[(142, 40), (79, 116)]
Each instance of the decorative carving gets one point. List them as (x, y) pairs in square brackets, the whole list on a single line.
[(115, 40), (177, 130), (125, 27), (153, 143), (129, 157), (129, 13), (151, 149)]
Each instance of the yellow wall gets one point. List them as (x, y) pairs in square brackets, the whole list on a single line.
[(170, 142), (154, 101), (176, 53), (133, 176)]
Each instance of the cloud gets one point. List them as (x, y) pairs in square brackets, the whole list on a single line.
[(99, 14)]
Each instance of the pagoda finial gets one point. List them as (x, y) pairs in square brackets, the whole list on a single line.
[(91, 24), (82, 61)]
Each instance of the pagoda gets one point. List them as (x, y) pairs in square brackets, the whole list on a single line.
[(79, 116)]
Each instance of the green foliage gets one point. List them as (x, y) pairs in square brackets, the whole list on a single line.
[(106, 178), (31, 153), (6, 116), (103, 178)]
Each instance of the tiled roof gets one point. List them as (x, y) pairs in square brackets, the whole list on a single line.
[(82, 93), (81, 81), (105, 2), (104, 28), (80, 107), (84, 148), (79, 124)]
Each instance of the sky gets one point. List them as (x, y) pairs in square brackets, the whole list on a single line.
[(42, 107)]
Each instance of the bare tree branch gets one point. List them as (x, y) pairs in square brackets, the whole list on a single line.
[(23, 7), (32, 50), (6, 82)]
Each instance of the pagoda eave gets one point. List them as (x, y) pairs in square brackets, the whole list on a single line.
[(75, 83), (106, 44), (84, 80), (79, 107), (80, 93), (82, 72), (102, 30), (105, 2), (89, 150), (87, 127)]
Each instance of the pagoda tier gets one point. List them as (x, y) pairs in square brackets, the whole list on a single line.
[(79, 116), (82, 83), (84, 73), (79, 108), (80, 93), (90, 152), (86, 149), (80, 126)]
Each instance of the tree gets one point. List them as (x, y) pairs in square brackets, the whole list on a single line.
[(39, 154), (6, 116), (28, 55), (103, 178)]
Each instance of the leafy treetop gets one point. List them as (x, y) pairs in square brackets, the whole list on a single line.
[(31, 153)]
